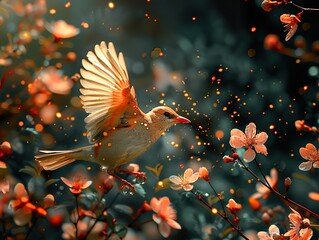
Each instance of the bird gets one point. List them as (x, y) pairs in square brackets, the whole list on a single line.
[(117, 129)]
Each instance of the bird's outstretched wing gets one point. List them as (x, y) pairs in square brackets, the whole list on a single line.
[(106, 92)]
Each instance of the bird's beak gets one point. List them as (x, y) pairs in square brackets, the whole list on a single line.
[(181, 119)]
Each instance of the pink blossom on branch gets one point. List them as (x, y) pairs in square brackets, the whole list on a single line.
[(299, 227), (291, 23), (184, 181), (311, 154), (249, 140)]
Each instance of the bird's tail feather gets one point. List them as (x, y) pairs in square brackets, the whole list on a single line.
[(52, 160)]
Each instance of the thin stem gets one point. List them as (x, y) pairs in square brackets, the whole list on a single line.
[(262, 173), (141, 223), (219, 197), (303, 8), (99, 217), (202, 200), (285, 198), (78, 212), (31, 228)]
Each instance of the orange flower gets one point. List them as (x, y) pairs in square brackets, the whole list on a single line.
[(299, 228), (185, 181), (164, 216), (311, 154), (77, 185), (274, 233), (22, 208), (61, 29), (233, 206), (291, 23), (204, 174), (263, 191), (249, 139)]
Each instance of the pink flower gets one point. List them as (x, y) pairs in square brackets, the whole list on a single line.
[(291, 24), (77, 185), (263, 191), (5, 150), (22, 208), (274, 233), (61, 29), (185, 181), (55, 81), (299, 228), (311, 154), (233, 206), (249, 139), (165, 215)]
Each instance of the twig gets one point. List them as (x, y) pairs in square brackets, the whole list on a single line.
[(303, 8), (202, 200)]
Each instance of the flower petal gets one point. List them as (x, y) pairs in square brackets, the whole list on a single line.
[(250, 130), (249, 155), (173, 224), (86, 184), (164, 203), (188, 187), (175, 179), (273, 230), (193, 178), (263, 235), (305, 233), (309, 152), (261, 138), (67, 182), (22, 216), (157, 218), (261, 149), (20, 190), (316, 164), (155, 204), (188, 173), (176, 186), (305, 166), (164, 229)]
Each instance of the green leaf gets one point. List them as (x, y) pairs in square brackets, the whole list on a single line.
[(120, 230), (140, 190), (29, 170), (51, 181), (123, 209)]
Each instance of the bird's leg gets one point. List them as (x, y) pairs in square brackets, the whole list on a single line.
[(140, 176), (125, 184)]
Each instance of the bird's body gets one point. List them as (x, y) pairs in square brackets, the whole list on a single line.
[(117, 129)]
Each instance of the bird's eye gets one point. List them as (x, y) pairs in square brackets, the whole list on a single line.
[(167, 114)]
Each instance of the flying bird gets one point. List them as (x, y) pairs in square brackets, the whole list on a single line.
[(118, 130)]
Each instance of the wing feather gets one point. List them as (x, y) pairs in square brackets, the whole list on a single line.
[(106, 93)]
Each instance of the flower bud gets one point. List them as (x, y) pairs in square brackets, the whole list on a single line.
[(266, 218), (287, 183), (204, 174), (228, 159)]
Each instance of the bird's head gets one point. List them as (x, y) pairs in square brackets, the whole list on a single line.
[(165, 117)]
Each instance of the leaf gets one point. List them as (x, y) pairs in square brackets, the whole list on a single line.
[(4, 12), (50, 182), (29, 170), (123, 209), (140, 190), (157, 169), (120, 230), (214, 199), (162, 184)]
